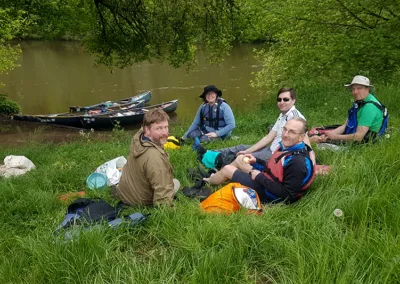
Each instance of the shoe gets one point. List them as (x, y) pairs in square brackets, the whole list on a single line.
[(200, 153), (198, 193), (199, 184), (196, 144), (197, 174)]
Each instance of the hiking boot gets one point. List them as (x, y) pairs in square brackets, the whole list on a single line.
[(199, 184), (197, 174), (200, 193)]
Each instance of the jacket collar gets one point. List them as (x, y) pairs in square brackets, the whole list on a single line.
[(295, 147)]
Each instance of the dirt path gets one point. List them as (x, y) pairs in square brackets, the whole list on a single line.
[(19, 133)]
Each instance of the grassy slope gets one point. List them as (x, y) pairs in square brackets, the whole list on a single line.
[(301, 243)]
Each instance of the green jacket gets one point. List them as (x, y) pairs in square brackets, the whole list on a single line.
[(147, 176)]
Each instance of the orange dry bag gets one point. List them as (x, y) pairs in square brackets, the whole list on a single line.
[(231, 198)]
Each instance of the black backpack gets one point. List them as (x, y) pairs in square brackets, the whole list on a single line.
[(89, 211)]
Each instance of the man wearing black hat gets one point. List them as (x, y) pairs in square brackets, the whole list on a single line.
[(214, 118)]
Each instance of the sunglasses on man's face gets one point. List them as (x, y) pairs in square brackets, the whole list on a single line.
[(284, 99)]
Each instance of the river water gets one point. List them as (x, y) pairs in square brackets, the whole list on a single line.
[(54, 75)]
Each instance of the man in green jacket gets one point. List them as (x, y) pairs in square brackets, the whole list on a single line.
[(147, 177)]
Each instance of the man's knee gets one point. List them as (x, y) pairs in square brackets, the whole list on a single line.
[(228, 171), (236, 162)]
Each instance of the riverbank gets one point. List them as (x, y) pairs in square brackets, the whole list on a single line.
[(300, 243), (22, 133)]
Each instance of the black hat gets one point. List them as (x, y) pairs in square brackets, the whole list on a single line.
[(210, 88)]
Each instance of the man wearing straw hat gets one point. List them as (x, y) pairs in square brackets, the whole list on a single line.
[(367, 118), (147, 177)]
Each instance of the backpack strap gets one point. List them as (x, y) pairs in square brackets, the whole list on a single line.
[(384, 111), (68, 220), (293, 152), (289, 153)]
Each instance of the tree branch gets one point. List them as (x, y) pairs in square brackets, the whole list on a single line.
[(369, 12), (133, 23), (331, 23), (354, 15), (102, 21), (391, 12)]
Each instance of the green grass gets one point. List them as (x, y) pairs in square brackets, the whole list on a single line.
[(300, 243)]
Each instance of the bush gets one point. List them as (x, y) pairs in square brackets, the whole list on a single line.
[(8, 106)]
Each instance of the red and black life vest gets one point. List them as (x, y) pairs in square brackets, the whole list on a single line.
[(274, 169)]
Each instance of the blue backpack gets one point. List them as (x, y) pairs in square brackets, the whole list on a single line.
[(352, 117)]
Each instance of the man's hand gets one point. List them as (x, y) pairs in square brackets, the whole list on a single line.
[(242, 153), (330, 135), (323, 138), (252, 159), (211, 135), (254, 173)]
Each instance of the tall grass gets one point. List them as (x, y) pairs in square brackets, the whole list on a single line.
[(300, 243)]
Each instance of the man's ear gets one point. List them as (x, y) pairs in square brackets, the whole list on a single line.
[(146, 130), (301, 137)]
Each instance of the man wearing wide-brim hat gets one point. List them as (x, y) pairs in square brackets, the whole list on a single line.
[(214, 118), (366, 120)]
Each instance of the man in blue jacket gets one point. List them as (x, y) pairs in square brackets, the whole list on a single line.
[(287, 175)]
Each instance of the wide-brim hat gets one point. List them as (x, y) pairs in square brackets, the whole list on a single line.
[(211, 88), (360, 80)]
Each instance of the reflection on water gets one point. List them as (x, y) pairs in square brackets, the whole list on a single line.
[(55, 75)]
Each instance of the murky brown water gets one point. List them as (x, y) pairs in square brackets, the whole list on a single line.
[(55, 75)]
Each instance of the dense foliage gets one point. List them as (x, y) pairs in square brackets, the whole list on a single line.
[(54, 19), (329, 39), (134, 30), (11, 23), (8, 106)]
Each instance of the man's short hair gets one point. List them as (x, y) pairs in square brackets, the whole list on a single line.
[(290, 90), (154, 116), (303, 121)]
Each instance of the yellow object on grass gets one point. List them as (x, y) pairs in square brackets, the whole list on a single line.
[(172, 143)]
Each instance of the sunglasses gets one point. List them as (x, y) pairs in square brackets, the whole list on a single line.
[(284, 99)]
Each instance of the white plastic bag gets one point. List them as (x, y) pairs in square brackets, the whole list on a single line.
[(112, 169), (15, 166), (19, 162)]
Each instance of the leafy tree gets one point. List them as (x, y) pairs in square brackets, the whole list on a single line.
[(8, 106), (53, 19), (331, 38), (11, 22), (130, 31)]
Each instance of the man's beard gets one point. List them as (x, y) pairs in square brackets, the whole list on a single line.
[(162, 141)]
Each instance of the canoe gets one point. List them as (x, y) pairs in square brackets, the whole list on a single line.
[(74, 119), (121, 103), (124, 117)]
